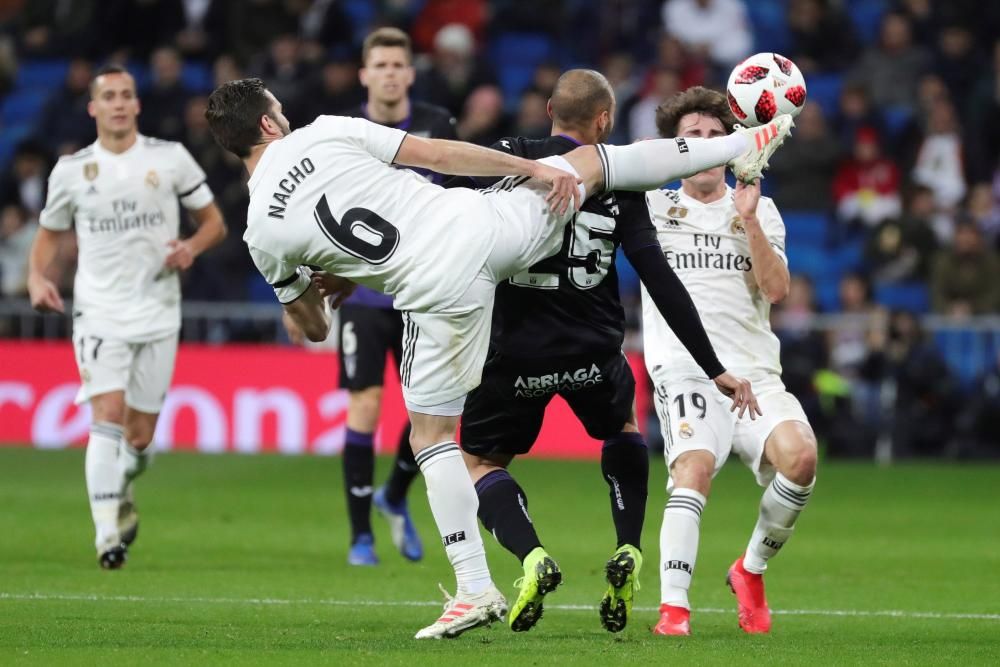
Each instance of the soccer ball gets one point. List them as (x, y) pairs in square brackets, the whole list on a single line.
[(763, 86)]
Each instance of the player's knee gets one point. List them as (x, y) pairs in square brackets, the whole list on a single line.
[(139, 434), (802, 460), (693, 470), (108, 408)]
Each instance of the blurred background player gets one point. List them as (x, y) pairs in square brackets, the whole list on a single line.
[(558, 328), (728, 248), (120, 193), (369, 326)]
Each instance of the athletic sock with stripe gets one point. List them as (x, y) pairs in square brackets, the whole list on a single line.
[(780, 506), (454, 505), (679, 545)]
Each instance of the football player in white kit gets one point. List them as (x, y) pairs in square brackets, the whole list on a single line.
[(728, 248), (325, 195), (120, 194)]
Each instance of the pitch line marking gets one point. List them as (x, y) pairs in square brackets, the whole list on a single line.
[(68, 597)]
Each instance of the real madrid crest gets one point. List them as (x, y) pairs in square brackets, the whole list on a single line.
[(736, 226), (152, 180), (677, 212), (90, 171), (685, 430)]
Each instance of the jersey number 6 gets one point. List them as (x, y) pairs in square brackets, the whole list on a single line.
[(361, 233)]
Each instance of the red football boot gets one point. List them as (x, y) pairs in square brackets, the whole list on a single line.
[(748, 587), (673, 621)]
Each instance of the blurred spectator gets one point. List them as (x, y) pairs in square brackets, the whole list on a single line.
[(983, 209), (26, 181), (966, 278), (717, 30), (532, 115), (957, 62), (65, 125), (979, 422), (8, 64), (225, 69), (334, 89), (984, 119), (619, 70), (60, 29), (804, 168), (672, 54), (455, 70), (545, 77), (803, 347), (822, 37), (855, 111), (483, 121), (848, 346), (282, 70), (891, 68), (925, 389), (866, 186), (254, 24), (902, 249), (324, 27), (163, 104), (939, 165), (663, 83), (438, 14), (17, 231)]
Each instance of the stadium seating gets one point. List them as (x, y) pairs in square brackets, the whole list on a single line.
[(912, 297), (517, 55), (866, 15), (22, 106), (824, 89), (41, 74)]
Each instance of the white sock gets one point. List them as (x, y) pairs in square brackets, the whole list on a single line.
[(454, 504), (133, 461), (104, 481), (780, 506), (679, 545), (648, 165)]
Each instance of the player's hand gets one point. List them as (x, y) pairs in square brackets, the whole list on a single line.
[(334, 287), (564, 187), (44, 295), (739, 390), (180, 257), (746, 198), (294, 332)]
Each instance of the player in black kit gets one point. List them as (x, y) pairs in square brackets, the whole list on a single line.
[(558, 328), (369, 326)]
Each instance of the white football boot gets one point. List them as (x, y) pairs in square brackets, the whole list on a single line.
[(465, 612), (764, 140)]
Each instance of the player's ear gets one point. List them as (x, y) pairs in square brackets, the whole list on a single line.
[(363, 76), (90, 109), (548, 109)]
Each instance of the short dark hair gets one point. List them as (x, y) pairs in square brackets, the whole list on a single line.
[(105, 70), (233, 113), (579, 96), (386, 37), (699, 100)]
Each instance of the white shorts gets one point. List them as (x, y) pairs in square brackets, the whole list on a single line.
[(142, 370), (444, 350), (695, 415)]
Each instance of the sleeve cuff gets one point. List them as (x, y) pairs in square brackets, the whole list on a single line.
[(200, 197), (289, 291)]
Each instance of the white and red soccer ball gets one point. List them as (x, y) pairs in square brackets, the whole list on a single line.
[(763, 86)]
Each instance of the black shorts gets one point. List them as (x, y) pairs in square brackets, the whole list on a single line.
[(367, 335), (503, 415)]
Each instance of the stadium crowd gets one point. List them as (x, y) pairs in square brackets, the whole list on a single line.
[(890, 189)]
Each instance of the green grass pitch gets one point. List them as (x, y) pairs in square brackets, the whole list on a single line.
[(241, 560)]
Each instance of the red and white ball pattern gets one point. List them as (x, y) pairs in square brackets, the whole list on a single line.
[(763, 86)]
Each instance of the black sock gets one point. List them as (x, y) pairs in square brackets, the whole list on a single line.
[(404, 470), (625, 466), (503, 509), (359, 474)]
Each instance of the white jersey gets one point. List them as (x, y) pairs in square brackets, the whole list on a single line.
[(708, 249), (124, 206), (325, 196)]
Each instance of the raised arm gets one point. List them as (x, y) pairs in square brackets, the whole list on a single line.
[(769, 269), (461, 158)]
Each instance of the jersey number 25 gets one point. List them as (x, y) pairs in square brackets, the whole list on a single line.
[(589, 247)]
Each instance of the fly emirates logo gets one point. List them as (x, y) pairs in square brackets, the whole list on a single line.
[(530, 386), (706, 252)]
